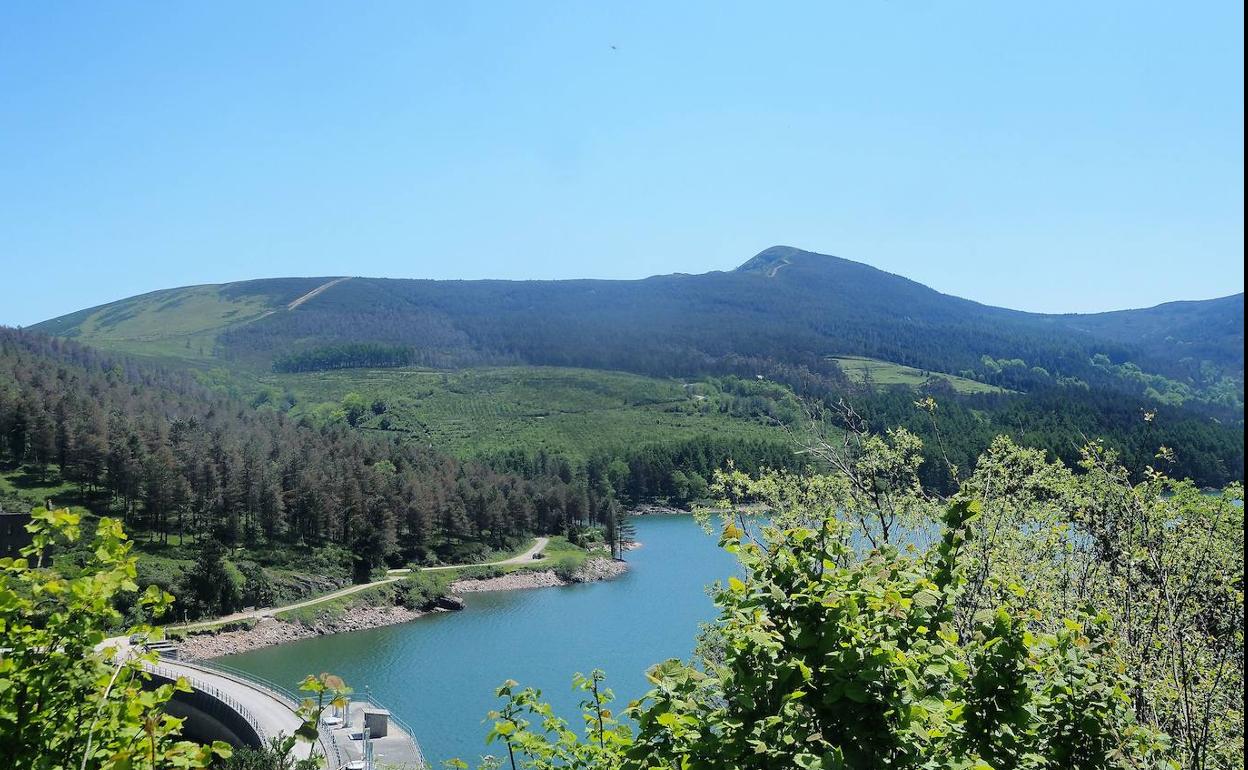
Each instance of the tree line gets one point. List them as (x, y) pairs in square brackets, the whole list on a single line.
[(172, 458), (179, 462), (354, 355)]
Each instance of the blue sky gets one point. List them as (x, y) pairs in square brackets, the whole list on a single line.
[(1043, 156)]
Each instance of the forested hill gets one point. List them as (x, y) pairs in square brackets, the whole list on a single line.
[(784, 307), (178, 461), (181, 462)]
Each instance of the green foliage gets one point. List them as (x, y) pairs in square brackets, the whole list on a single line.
[(481, 572), (869, 371), (213, 586), (1217, 389), (354, 407), (823, 659), (566, 567), (420, 590), (258, 590), (66, 700), (1162, 559), (483, 412), (346, 356), (1060, 420), (1059, 620)]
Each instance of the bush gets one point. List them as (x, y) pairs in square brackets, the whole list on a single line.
[(566, 567), (822, 660), (420, 590), (482, 572)]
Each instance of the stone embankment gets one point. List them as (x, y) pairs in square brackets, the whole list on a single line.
[(269, 631)]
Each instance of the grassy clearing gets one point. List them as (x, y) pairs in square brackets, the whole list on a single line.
[(178, 323), (886, 373), (22, 488), (559, 555), (482, 411)]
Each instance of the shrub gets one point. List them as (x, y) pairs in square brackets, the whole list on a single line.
[(482, 572), (566, 567), (420, 590)]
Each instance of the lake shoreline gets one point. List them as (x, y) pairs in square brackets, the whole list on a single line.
[(270, 631)]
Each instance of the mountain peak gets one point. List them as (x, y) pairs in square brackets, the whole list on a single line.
[(770, 260)]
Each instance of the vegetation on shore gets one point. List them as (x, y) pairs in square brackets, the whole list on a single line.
[(1055, 620), (1037, 618)]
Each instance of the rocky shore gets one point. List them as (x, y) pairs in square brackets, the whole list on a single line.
[(594, 569), (655, 509), (269, 631)]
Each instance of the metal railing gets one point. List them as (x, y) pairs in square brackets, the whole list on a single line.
[(368, 697), (274, 689), (218, 694), (327, 739)]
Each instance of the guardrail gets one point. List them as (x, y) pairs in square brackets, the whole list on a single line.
[(328, 741), (275, 689), (404, 726), (218, 694)]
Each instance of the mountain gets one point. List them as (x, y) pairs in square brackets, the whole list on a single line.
[(784, 307)]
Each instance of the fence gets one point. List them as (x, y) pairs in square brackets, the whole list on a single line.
[(329, 741), (404, 726), (216, 693)]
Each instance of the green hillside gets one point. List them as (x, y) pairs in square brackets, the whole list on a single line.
[(178, 323), (573, 412), (782, 309), (574, 367), (864, 371)]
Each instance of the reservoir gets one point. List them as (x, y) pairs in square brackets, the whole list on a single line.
[(439, 673)]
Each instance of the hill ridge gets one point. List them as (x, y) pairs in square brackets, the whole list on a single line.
[(810, 307)]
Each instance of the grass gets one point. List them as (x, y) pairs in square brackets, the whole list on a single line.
[(483, 411), (145, 325), (558, 553), (20, 486), (886, 373), (333, 609)]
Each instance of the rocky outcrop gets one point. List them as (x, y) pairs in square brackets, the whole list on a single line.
[(449, 603)]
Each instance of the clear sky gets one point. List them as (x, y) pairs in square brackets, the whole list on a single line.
[(1042, 156)]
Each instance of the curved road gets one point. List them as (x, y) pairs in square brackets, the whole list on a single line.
[(395, 574), (271, 713)]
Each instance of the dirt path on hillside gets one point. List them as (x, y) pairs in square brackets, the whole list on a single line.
[(315, 292)]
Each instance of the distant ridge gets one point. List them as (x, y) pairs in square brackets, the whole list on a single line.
[(811, 307)]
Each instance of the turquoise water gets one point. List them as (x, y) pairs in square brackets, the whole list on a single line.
[(439, 673)]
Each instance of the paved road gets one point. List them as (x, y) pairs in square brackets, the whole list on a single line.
[(395, 574), (527, 557), (272, 713)]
